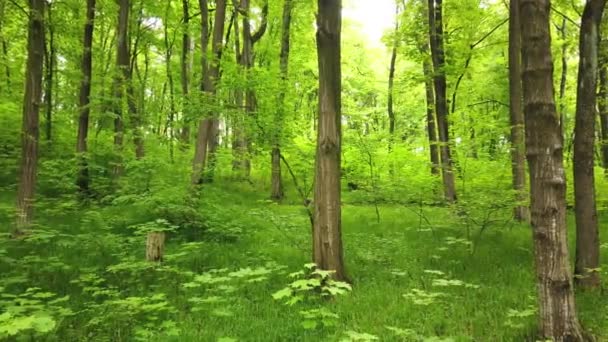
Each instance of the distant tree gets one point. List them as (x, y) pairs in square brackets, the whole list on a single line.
[(327, 234), (276, 186), (31, 110), (587, 232), (82, 179), (544, 150), (441, 106), (186, 70), (516, 114)]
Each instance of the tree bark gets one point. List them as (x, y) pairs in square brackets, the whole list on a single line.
[(276, 192), (544, 150), (564, 76), (186, 69), (603, 99), (431, 126), (4, 47), (441, 107), (31, 110), (210, 77), (327, 235), (516, 114), (82, 179), (50, 59), (587, 232), (155, 246)]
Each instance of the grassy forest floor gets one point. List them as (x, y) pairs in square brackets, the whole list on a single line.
[(416, 277)]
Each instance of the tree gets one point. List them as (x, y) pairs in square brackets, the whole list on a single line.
[(516, 114), (82, 179), (209, 78), (441, 107), (587, 233), (186, 67), (544, 151), (31, 111), (391, 81), (50, 61), (276, 182), (602, 102), (327, 235)]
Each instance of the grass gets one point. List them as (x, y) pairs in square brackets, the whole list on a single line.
[(395, 265)]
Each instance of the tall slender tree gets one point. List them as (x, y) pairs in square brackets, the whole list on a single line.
[(186, 69), (82, 179), (587, 232), (31, 112), (544, 151), (602, 102), (276, 181), (441, 106), (210, 77), (50, 61), (516, 114), (327, 231), (391, 81)]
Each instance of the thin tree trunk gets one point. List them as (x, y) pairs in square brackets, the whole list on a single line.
[(516, 114), (210, 77), (82, 179), (4, 46), (603, 101), (587, 232), (431, 127), (391, 82), (31, 110), (122, 76), (564, 76), (186, 69), (50, 61), (276, 192), (441, 107), (168, 56), (544, 150), (327, 235)]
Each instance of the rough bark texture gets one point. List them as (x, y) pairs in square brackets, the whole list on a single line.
[(31, 111), (186, 69), (516, 114), (50, 60), (327, 235), (123, 75), (544, 150), (276, 188), (441, 107), (587, 233), (210, 75), (82, 179), (155, 246)]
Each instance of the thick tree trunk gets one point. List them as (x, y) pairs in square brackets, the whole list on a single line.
[(122, 77), (276, 192), (587, 233), (31, 111), (82, 179), (186, 69), (327, 235), (441, 107), (544, 149), (516, 113), (210, 77)]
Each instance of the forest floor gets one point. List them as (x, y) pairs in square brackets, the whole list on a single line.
[(416, 277)]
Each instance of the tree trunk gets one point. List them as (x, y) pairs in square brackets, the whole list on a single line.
[(327, 235), (210, 77), (516, 113), (602, 102), (391, 82), (168, 55), (82, 179), (587, 233), (544, 150), (122, 77), (31, 110), (186, 67), (441, 107), (50, 61), (564, 76), (276, 192), (4, 47), (431, 127), (155, 246)]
